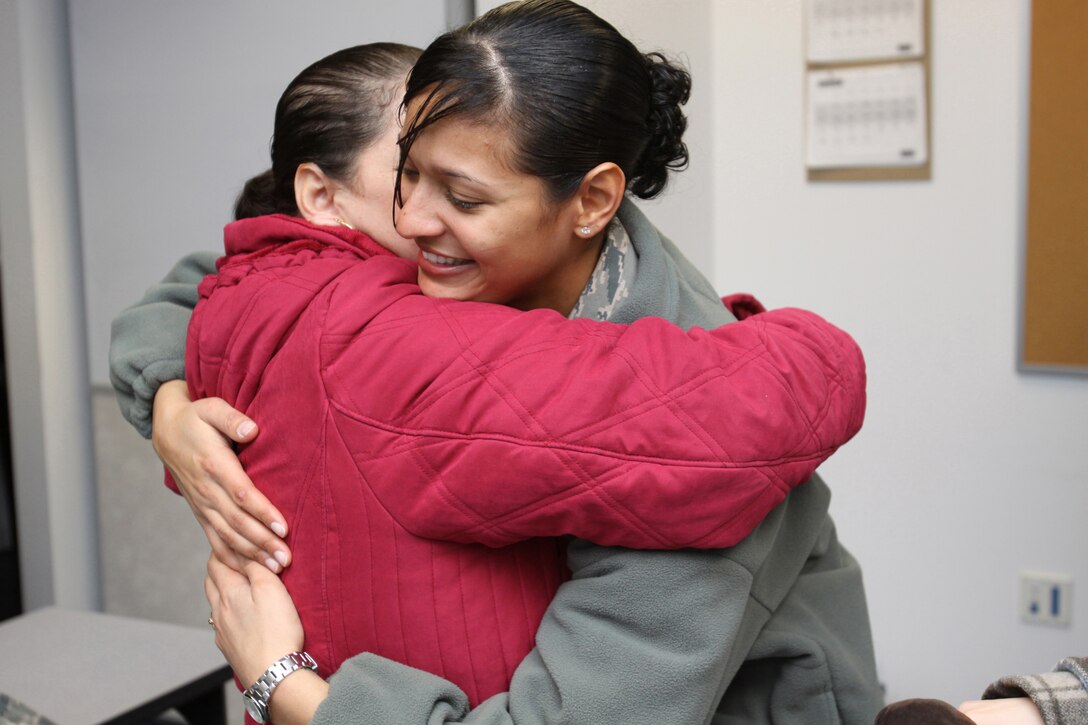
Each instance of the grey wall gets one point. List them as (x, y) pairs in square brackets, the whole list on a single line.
[(174, 105), (44, 335)]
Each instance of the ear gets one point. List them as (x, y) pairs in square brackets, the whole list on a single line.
[(314, 195), (599, 197)]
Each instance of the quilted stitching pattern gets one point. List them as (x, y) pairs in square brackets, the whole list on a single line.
[(639, 436)]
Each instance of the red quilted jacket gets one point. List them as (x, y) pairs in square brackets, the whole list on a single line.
[(429, 453)]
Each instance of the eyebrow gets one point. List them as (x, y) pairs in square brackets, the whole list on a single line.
[(456, 174), (462, 175)]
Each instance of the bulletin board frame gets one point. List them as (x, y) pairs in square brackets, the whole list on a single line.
[(1054, 306), (918, 172)]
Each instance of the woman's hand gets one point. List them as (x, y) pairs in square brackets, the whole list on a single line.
[(256, 624), (1008, 711), (193, 440)]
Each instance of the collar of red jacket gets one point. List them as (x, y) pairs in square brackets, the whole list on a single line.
[(259, 234)]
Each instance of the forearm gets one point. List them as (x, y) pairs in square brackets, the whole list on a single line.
[(611, 649), (147, 340), (688, 451), (296, 699)]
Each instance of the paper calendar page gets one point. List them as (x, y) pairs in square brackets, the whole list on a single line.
[(867, 116), (852, 30)]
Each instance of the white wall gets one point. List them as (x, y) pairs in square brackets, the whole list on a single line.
[(966, 471), (174, 106)]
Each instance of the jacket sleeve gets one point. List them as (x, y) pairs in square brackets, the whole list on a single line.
[(644, 435), (610, 650), (1060, 695), (147, 340)]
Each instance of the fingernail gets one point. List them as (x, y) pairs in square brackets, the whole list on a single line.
[(281, 557), (279, 529), (246, 428), (271, 564)]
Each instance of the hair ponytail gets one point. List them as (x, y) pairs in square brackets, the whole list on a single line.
[(258, 197)]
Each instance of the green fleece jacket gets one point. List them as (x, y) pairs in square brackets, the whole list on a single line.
[(773, 630)]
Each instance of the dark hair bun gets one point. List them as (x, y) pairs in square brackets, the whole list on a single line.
[(258, 197), (666, 150)]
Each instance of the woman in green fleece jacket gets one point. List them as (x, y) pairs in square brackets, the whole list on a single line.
[(774, 629)]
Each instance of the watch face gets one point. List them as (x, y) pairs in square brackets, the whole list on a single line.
[(255, 708)]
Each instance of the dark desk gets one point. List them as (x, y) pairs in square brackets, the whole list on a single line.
[(87, 668)]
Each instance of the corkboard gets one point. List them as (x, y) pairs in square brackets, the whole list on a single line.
[(1055, 299)]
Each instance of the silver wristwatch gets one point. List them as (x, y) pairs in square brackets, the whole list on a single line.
[(256, 696)]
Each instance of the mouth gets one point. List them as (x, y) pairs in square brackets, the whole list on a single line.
[(443, 262)]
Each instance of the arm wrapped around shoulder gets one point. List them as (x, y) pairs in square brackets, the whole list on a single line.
[(147, 340), (510, 425)]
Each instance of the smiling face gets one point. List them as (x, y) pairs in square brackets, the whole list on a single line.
[(484, 231)]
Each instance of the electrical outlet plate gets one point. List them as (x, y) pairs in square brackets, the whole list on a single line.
[(1046, 598)]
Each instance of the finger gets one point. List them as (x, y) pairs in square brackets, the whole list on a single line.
[(229, 526), (216, 615), (242, 547), (220, 549), (211, 591), (258, 575), (223, 578), (237, 535), (227, 557), (230, 422), (270, 525), (221, 538), (215, 564)]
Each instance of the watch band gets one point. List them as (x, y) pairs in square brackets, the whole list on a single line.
[(256, 696)]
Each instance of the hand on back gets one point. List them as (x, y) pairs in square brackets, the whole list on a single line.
[(194, 441)]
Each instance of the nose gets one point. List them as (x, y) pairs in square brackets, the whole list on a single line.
[(417, 218)]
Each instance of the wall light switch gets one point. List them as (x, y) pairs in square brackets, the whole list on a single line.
[(1046, 598)]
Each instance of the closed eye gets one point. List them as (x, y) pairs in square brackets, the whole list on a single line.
[(462, 204)]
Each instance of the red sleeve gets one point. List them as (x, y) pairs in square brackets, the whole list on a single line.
[(475, 422)]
